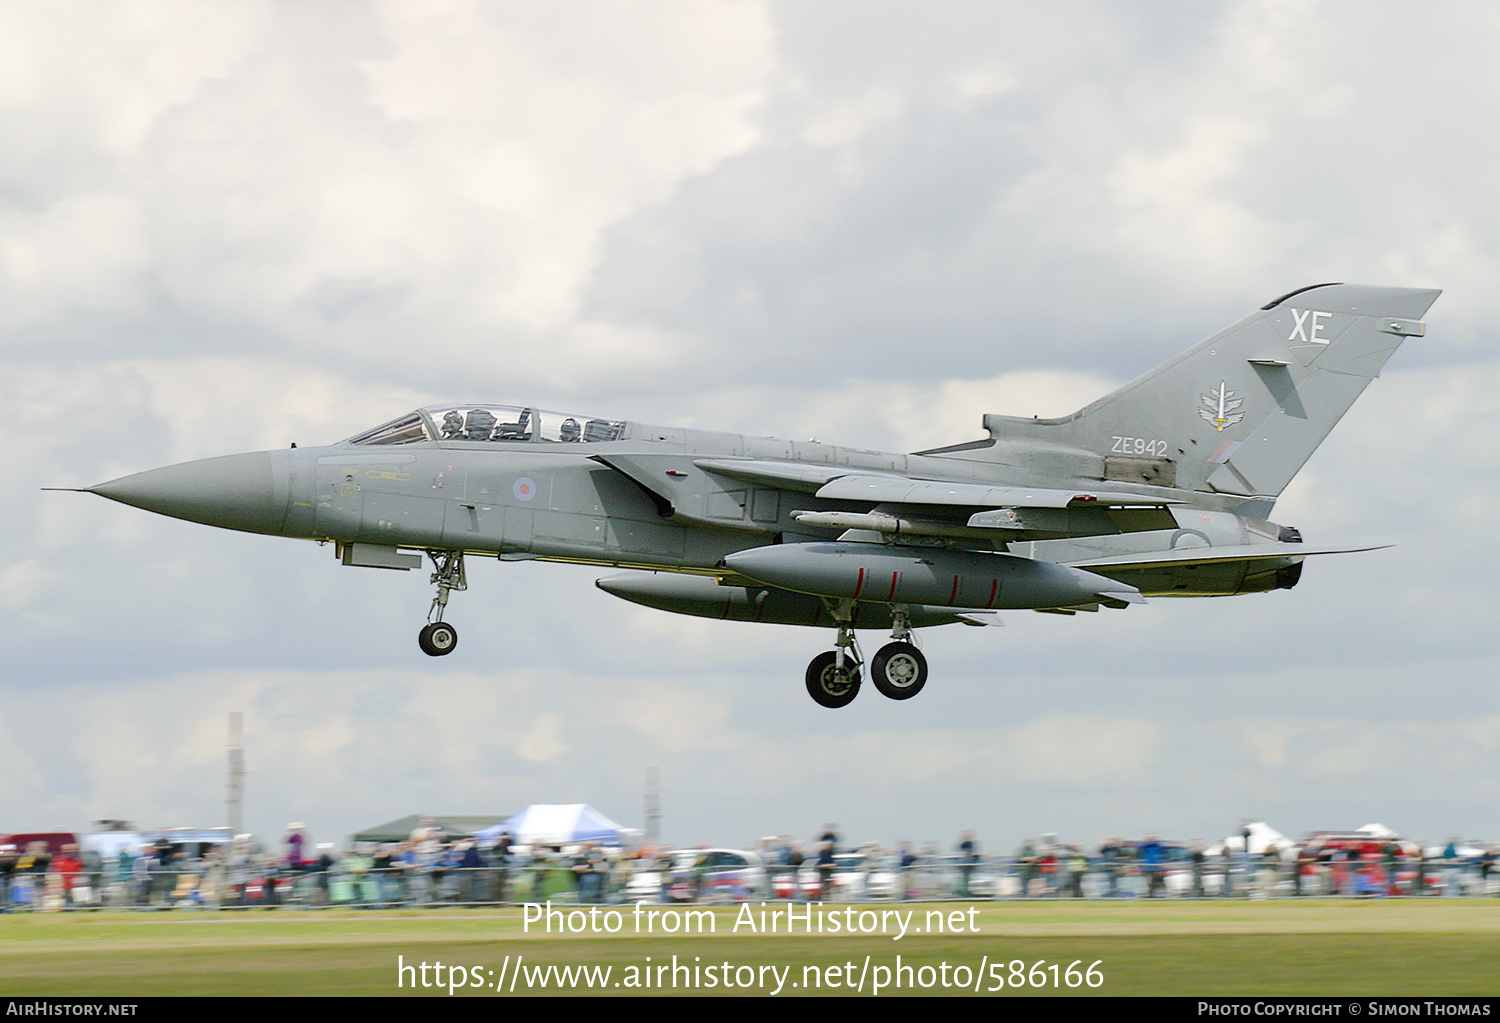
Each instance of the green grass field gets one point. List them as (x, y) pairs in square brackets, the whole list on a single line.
[(1311, 947)]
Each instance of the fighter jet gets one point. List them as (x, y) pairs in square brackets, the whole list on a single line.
[(1162, 488)]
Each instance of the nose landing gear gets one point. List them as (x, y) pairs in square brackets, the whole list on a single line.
[(437, 636)]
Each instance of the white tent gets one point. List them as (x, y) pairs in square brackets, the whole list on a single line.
[(556, 824), (1261, 836)]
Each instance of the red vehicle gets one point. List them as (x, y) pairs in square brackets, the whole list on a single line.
[(1358, 863), (55, 840)]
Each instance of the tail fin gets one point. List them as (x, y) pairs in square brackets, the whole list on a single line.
[(1241, 412)]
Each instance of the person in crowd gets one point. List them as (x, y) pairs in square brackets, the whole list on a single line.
[(1026, 867), (31, 875), (1270, 870), (1109, 864), (8, 859), (295, 840), (212, 885), (1077, 865), (1452, 869), (471, 871), (1153, 856), (385, 871), (906, 863), (828, 846), (1245, 858), (321, 869), (143, 868), (1226, 866), (968, 859), (67, 869), (500, 856), (1390, 862), (1198, 857)]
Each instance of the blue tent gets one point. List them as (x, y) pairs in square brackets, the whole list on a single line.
[(556, 824)]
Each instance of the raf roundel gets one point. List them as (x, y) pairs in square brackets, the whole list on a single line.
[(524, 489)]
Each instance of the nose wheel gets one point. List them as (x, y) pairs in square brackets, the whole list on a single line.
[(437, 636), (437, 639)]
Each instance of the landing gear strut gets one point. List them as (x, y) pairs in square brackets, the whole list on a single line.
[(437, 636), (899, 670), (833, 676)]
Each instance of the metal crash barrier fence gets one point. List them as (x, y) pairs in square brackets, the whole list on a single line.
[(220, 887), (227, 888)]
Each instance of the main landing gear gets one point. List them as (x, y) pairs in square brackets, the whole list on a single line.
[(898, 669), (437, 636), (830, 683)]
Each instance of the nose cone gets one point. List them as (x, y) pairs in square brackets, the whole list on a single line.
[(242, 492)]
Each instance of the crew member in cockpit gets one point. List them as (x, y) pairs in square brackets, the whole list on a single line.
[(479, 424)]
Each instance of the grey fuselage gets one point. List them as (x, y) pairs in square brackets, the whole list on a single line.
[(644, 502)]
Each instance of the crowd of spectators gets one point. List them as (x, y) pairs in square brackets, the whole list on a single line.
[(430, 868)]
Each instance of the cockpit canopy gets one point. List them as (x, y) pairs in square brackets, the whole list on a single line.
[(488, 423)]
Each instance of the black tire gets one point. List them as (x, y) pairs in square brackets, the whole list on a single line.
[(899, 671), (824, 683), (437, 639)]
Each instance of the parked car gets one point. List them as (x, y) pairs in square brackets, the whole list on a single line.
[(702, 875)]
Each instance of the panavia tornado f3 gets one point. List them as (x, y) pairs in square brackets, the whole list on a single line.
[(1163, 488)]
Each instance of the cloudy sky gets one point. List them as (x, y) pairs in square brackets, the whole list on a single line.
[(228, 227)]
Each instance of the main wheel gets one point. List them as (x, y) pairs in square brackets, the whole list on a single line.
[(899, 671), (437, 639), (827, 685)]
